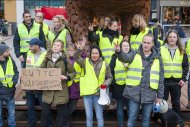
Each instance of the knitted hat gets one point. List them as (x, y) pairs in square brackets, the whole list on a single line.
[(3, 48), (35, 41)]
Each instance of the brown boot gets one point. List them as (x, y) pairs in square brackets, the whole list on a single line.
[(188, 105)]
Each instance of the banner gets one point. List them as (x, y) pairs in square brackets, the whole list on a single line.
[(41, 79), (50, 12)]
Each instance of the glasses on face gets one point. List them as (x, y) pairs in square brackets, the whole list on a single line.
[(39, 17)]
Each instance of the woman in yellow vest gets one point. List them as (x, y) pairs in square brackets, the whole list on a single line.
[(138, 31), (106, 39), (96, 74), (60, 32), (176, 66), (187, 49), (119, 73), (56, 58), (74, 90)]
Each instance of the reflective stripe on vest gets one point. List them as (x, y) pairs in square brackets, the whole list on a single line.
[(62, 36), (134, 73), (136, 40), (107, 47), (30, 60), (172, 67), (25, 37), (78, 70), (120, 73), (6, 77), (89, 84)]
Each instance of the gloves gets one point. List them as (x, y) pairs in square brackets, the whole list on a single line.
[(103, 86)]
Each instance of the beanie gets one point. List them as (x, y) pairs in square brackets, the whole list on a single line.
[(35, 41), (3, 48)]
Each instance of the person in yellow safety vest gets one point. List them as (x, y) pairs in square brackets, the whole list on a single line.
[(119, 72), (74, 90), (106, 39), (39, 17), (60, 32), (26, 31), (96, 74), (158, 32), (144, 80), (175, 63), (138, 30), (187, 49), (8, 79), (34, 59)]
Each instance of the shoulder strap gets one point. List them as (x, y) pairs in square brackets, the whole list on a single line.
[(56, 36), (65, 62)]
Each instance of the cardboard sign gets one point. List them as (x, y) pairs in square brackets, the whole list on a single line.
[(41, 79)]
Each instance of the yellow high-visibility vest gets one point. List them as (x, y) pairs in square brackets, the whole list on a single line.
[(25, 37), (62, 37), (7, 76), (172, 67), (187, 49), (136, 40), (120, 73), (78, 70), (89, 84), (106, 47), (134, 73), (30, 60)]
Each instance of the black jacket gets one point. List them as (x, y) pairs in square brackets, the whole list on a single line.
[(16, 39), (8, 93), (117, 90)]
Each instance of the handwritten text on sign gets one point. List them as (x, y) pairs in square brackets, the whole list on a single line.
[(41, 79)]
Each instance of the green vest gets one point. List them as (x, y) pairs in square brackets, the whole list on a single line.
[(136, 40), (25, 37), (6, 77), (45, 29), (106, 47), (62, 37), (120, 73), (172, 67), (89, 84), (134, 73), (78, 70), (187, 49), (30, 60)]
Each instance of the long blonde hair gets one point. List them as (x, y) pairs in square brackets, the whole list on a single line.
[(141, 21)]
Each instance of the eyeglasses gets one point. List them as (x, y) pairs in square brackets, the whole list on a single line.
[(39, 17)]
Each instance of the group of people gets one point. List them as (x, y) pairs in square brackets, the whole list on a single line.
[(136, 70)]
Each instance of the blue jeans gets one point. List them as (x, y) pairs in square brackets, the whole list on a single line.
[(134, 108), (31, 97), (189, 88), (121, 102), (11, 112), (90, 102)]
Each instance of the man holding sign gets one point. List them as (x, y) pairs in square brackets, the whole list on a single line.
[(35, 56)]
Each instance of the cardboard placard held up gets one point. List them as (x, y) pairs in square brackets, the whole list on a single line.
[(41, 79)]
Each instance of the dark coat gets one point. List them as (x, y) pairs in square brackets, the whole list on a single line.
[(58, 96), (8, 93), (115, 89)]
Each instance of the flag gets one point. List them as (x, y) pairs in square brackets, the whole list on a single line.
[(50, 12)]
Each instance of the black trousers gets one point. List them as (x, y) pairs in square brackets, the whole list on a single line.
[(171, 87), (62, 115)]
